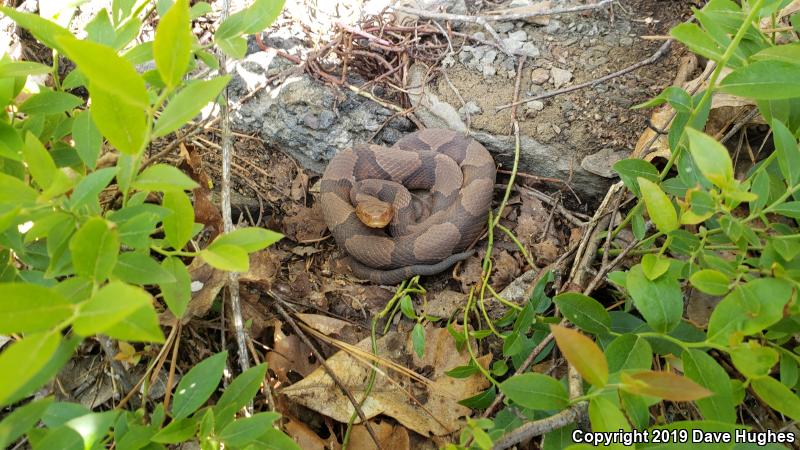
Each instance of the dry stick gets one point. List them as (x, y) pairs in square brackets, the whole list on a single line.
[(498, 17), (653, 58), (233, 277), (328, 370)]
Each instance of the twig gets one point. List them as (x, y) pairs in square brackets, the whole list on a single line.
[(498, 17), (233, 277), (303, 337), (545, 180), (541, 426), (653, 58)]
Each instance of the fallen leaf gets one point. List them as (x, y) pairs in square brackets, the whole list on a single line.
[(391, 437), (289, 354), (304, 436), (305, 224), (437, 412)]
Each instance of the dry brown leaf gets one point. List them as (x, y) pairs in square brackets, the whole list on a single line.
[(289, 354), (206, 284), (439, 412), (324, 324), (391, 437), (307, 224), (264, 267), (299, 187), (505, 269), (305, 436)]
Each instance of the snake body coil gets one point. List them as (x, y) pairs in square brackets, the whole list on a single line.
[(458, 172)]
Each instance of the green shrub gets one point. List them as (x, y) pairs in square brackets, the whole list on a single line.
[(71, 268)]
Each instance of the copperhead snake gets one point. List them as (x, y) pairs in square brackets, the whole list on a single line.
[(423, 237)]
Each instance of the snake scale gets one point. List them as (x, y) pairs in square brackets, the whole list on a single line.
[(456, 170)]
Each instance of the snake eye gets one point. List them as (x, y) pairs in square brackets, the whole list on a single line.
[(374, 213)]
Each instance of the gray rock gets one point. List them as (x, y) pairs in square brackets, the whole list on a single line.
[(308, 120), (534, 106), (540, 75), (469, 108), (560, 76), (504, 27), (530, 49), (602, 162)]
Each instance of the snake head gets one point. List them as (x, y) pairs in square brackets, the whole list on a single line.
[(374, 213)]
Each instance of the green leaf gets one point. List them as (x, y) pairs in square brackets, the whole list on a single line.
[(94, 248), (787, 151), (199, 9), (706, 372), (480, 401), (711, 157), (462, 371), (246, 430), (629, 352), (788, 209), (176, 293), (659, 208), (710, 281), (50, 102), (585, 312), (179, 430), (139, 268), (40, 163), (178, 225), (22, 358), (198, 385), (112, 303), (187, 103), (239, 393), (163, 177), (788, 53), (273, 439), (42, 29), (21, 420), (583, 354), (227, 257), (248, 21), (13, 69), (697, 40), (139, 326), (407, 308), (764, 80), (606, 417), (93, 427), (753, 360), (659, 301), (653, 266), (535, 391), (666, 385), (10, 142), (777, 396), (123, 124), (28, 308), (173, 43), (90, 187), (108, 72), (748, 309), (31, 381), (418, 340), (100, 29), (677, 98), (87, 137), (250, 239), (630, 170)]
